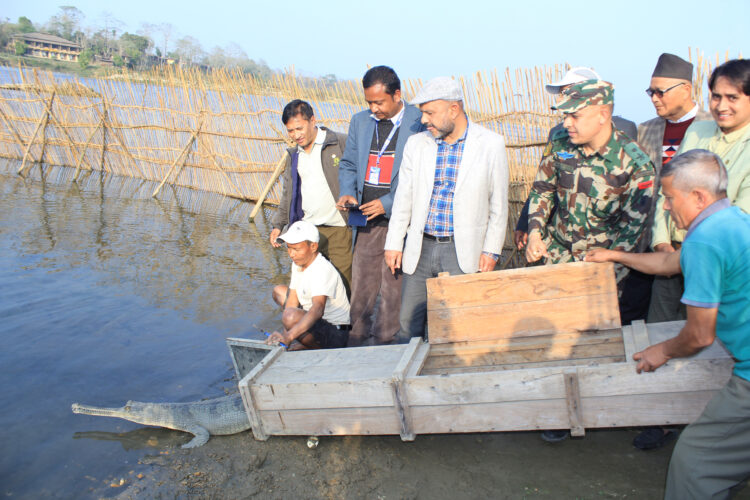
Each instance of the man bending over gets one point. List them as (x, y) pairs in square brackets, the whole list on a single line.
[(713, 453)]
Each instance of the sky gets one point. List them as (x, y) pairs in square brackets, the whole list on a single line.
[(621, 40)]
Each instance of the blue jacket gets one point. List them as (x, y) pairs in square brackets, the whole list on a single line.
[(353, 167)]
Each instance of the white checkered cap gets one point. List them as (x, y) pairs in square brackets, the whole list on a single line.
[(442, 87), (300, 231), (574, 75)]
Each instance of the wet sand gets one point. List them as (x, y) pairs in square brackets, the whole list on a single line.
[(603, 464)]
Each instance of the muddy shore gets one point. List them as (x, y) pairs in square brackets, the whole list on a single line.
[(603, 464)]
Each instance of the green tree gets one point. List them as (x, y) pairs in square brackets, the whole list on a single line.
[(66, 22), (133, 48), (85, 57), (118, 61), (20, 47), (25, 25)]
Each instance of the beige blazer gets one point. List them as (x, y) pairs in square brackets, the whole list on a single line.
[(480, 201)]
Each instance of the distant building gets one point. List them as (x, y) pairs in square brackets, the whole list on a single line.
[(49, 46)]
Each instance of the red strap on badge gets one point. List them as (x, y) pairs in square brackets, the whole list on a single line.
[(645, 184)]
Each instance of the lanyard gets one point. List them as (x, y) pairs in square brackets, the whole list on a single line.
[(387, 139)]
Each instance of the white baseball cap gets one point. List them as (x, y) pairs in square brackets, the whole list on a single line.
[(300, 231), (574, 75)]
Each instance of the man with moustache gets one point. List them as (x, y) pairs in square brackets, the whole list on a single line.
[(311, 185), (450, 209), (368, 176)]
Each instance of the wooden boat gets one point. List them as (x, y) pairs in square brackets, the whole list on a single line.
[(524, 349)]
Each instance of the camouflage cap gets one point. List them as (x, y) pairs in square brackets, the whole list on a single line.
[(587, 93)]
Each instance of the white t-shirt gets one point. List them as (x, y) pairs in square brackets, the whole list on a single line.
[(321, 278), (317, 200)]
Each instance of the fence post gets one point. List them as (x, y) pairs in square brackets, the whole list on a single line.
[(42, 123), (276, 173)]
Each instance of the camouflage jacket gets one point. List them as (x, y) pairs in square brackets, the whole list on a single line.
[(604, 198)]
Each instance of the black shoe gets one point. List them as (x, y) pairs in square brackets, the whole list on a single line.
[(555, 436), (652, 438)]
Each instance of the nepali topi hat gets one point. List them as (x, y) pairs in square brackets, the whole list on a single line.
[(672, 66)]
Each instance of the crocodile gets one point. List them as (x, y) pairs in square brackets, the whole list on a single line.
[(219, 416)]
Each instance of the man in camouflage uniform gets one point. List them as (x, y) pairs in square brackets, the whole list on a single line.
[(603, 180)]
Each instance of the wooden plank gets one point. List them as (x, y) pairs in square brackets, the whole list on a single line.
[(549, 316), (349, 356), (491, 417), (616, 379), (361, 373), (640, 335), (628, 343), (613, 335), (247, 394), (400, 401), (316, 394), (677, 375), (547, 353), (573, 398), (528, 284), (331, 422), (645, 409), (334, 365), (659, 332), (491, 387), (621, 411), (419, 359), (524, 366)]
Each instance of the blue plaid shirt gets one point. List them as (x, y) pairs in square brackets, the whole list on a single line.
[(440, 216)]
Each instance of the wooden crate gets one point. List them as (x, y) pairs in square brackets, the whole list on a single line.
[(557, 373), (532, 301)]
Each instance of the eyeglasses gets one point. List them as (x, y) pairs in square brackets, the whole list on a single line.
[(660, 93)]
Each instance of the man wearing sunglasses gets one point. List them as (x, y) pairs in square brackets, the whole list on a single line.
[(670, 90)]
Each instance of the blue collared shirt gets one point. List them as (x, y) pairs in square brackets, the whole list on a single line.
[(440, 217)]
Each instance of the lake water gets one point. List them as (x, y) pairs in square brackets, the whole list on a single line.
[(108, 295)]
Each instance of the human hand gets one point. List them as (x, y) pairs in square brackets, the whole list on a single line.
[(599, 255), (272, 238), (276, 338), (535, 248), (346, 200), (664, 247), (393, 260), (486, 263), (650, 358), (520, 238), (372, 209)]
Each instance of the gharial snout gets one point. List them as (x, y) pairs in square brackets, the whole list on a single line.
[(97, 410)]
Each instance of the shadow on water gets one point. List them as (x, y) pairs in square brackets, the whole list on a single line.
[(108, 295)]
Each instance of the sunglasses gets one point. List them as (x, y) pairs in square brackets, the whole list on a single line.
[(660, 93)]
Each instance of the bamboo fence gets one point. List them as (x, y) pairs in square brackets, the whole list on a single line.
[(221, 131)]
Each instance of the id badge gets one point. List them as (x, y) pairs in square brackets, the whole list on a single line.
[(374, 175)]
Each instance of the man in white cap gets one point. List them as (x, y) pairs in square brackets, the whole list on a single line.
[(316, 310), (451, 200)]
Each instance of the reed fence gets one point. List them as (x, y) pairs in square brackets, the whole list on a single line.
[(221, 131)]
